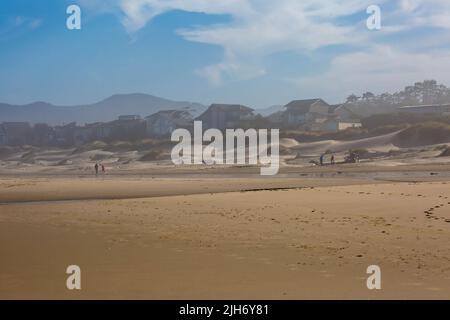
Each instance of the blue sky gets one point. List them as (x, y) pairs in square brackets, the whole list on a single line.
[(255, 52)]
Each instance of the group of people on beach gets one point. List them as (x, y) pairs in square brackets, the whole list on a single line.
[(97, 166), (321, 159)]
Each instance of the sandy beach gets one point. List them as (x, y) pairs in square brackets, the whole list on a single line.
[(206, 236)]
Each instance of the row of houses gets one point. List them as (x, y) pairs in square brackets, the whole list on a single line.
[(15, 133), (316, 115), (308, 115), (312, 114)]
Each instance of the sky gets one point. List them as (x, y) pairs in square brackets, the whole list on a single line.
[(253, 52)]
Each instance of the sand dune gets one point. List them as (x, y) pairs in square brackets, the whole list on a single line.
[(382, 143), (149, 156), (144, 157)]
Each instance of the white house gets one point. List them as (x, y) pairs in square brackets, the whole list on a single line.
[(335, 125)]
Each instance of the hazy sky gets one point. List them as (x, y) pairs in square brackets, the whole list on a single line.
[(255, 52)]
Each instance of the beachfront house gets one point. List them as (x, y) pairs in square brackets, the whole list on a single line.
[(42, 134), (225, 116), (83, 135), (164, 122), (65, 134), (128, 127), (335, 125), (16, 133), (343, 112), (301, 112), (3, 136), (91, 132)]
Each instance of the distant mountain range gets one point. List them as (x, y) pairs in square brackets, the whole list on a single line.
[(106, 110)]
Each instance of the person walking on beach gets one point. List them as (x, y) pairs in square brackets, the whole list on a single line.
[(321, 159), (96, 169), (332, 159), (103, 168)]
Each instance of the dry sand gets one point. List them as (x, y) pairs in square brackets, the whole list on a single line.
[(226, 237)]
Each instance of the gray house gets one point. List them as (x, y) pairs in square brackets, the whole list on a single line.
[(301, 112), (164, 122), (225, 116), (91, 132), (344, 112), (3, 137), (65, 134), (335, 125), (16, 133), (125, 128)]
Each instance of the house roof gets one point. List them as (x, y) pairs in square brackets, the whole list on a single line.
[(95, 124), (226, 108), (352, 114), (15, 131), (67, 126), (177, 116), (276, 116), (170, 113), (333, 107), (303, 106), (15, 128), (230, 107), (223, 106)]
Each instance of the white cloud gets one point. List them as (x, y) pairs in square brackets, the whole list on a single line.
[(381, 69), (423, 13), (35, 23), (410, 5), (15, 25), (258, 28)]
